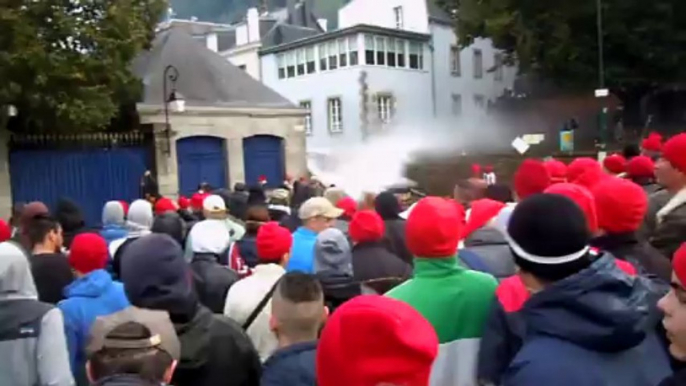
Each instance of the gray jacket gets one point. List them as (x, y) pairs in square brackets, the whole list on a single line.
[(33, 348), (666, 221), (490, 245)]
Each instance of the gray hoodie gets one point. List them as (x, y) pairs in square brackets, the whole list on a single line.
[(113, 214), (33, 348), (332, 253)]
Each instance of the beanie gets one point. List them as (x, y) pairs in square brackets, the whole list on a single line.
[(579, 166), (582, 197), (366, 226), (531, 177), (375, 340), (621, 204), (482, 211), (5, 231), (679, 264), (184, 202), (557, 171), (164, 205), (433, 228), (615, 164), (652, 143), (273, 242), (88, 253), (548, 229), (197, 199), (641, 167), (476, 171), (674, 151), (348, 205), (125, 206)]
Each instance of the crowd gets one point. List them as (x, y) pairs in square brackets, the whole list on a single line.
[(574, 276)]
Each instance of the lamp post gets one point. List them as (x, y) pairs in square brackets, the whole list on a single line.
[(171, 97), (601, 92)]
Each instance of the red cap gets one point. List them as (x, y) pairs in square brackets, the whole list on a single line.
[(482, 211), (125, 206), (164, 205), (579, 166), (348, 205), (184, 202), (488, 169), (641, 167), (531, 178), (5, 231), (262, 178), (366, 226), (679, 264), (375, 340), (621, 204), (674, 151), (273, 242), (615, 164), (88, 253), (557, 170), (197, 199), (582, 197), (653, 142), (433, 228), (476, 170)]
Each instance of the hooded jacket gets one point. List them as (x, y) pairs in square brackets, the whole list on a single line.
[(669, 222), (33, 350), (214, 349), (334, 268), (492, 249), (170, 223), (302, 251), (388, 207), (291, 366), (377, 268), (593, 328), (70, 217), (140, 220), (113, 222), (88, 297)]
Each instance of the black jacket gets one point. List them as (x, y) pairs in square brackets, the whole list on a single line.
[(388, 207), (377, 268), (51, 273), (338, 288), (291, 366), (215, 351), (247, 249), (647, 260), (212, 281), (70, 217)]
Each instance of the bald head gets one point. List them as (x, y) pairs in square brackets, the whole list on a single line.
[(298, 309)]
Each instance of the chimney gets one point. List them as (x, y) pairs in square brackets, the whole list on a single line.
[(212, 41), (308, 14), (323, 23), (253, 25), (290, 7)]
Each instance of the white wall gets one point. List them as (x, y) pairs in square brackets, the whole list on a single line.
[(380, 13), (246, 55)]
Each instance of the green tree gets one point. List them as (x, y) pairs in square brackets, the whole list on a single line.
[(558, 41), (65, 63)]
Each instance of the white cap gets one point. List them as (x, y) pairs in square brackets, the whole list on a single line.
[(214, 204), (210, 236), (318, 207)]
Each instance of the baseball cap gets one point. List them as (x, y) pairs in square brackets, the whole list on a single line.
[(214, 204), (318, 206), (162, 333)]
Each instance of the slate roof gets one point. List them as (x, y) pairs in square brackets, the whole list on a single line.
[(287, 33), (205, 77), (437, 13)]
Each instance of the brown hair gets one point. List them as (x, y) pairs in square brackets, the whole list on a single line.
[(256, 216)]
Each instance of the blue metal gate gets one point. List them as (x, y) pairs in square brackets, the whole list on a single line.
[(200, 159), (263, 155), (90, 175)]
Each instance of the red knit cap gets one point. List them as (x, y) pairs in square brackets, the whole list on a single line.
[(88, 253), (674, 151), (5, 231), (557, 170), (476, 171), (591, 177), (197, 199), (433, 228), (679, 264), (348, 205), (375, 340), (488, 169), (273, 242), (366, 226), (482, 211), (640, 167), (652, 143), (582, 197), (164, 205), (615, 164), (579, 166), (621, 204), (125, 206), (531, 178), (184, 202)]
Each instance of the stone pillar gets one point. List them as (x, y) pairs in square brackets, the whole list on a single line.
[(167, 176), (5, 187), (235, 164)]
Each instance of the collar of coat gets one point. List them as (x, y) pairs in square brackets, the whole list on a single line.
[(676, 201)]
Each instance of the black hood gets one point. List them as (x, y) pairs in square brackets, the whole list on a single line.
[(338, 285), (69, 215), (195, 342), (170, 223), (387, 206)]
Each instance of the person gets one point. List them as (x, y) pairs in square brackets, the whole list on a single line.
[(49, 266), (185, 211), (374, 266), (140, 219), (580, 166), (673, 306), (557, 170), (466, 191), (666, 219), (279, 206), (15, 218), (297, 315), (587, 322), (530, 178), (214, 349), (164, 205), (256, 216), (615, 165), (197, 200), (388, 207), (499, 192), (651, 146), (214, 210), (349, 206), (398, 342), (211, 279), (317, 214), (92, 294), (641, 170), (133, 347), (170, 223), (30, 211), (149, 187), (621, 207), (5, 231), (113, 222), (334, 194), (443, 291), (70, 217), (333, 266), (238, 200), (34, 350), (247, 296)]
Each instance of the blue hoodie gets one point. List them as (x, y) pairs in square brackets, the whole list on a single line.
[(113, 232), (88, 297), (302, 251), (594, 328)]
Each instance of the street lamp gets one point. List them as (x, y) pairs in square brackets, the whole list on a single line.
[(172, 99), (601, 92)]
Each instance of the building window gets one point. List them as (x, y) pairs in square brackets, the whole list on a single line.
[(311, 65), (399, 19), (479, 101), (369, 50), (416, 56), (333, 55), (498, 59), (402, 52), (380, 47), (343, 52), (455, 63), (323, 58), (385, 108), (301, 62), (290, 64), (391, 55), (307, 105), (456, 106), (335, 115), (281, 62), (478, 64), (352, 50)]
